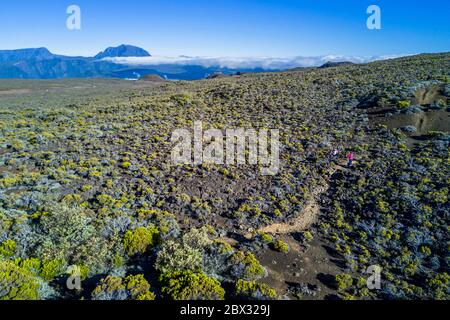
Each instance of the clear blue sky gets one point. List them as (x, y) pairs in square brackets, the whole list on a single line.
[(278, 28)]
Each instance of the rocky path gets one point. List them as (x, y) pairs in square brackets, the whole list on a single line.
[(310, 213)]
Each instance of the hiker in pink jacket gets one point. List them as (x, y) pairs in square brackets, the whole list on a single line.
[(350, 159)]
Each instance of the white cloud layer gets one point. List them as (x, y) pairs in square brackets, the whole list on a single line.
[(267, 63)]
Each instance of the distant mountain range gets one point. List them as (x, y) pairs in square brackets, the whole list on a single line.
[(40, 63), (122, 51), (131, 62)]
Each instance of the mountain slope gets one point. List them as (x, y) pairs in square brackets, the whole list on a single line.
[(34, 54)]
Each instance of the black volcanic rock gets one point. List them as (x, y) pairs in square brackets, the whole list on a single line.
[(123, 51)]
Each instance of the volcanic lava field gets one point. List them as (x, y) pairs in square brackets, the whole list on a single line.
[(87, 183)]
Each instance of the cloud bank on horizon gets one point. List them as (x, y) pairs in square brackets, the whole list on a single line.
[(266, 63)]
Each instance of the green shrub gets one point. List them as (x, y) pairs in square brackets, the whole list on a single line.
[(17, 145), (68, 234), (346, 296), (187, 285), (17, 283), (107, 288), (31, 264), (175, 256), (254, 290), (8, 248), (267, 238), (343, 281), (281, 246), (308, 236), (439, 286), (125, 164), (133, 287), (118, 260), (139, 240), (224, 247), (277, 213), (139, 287), (51, 269), (246, 266), (184, 254), (181, 99), (403, 104), (198, 238)]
